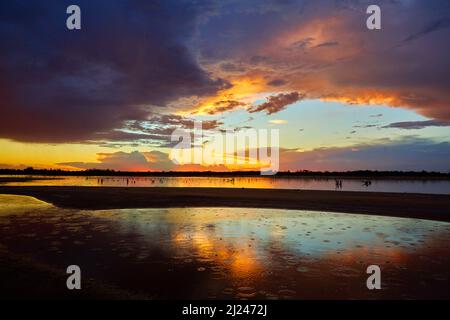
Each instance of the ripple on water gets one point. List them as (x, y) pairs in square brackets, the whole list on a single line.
[(286, 293), (215, 242), (245, 293), (302, 269)]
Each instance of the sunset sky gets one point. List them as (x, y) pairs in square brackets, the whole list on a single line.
[(109, 95)]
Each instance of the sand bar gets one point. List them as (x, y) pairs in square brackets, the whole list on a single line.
[(423, 206)]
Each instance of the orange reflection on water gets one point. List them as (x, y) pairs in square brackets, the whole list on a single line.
[(237, 258), (236, 252), (262, 182), (375, 254)]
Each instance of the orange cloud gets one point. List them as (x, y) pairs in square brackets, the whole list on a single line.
[(243, 92), (330, 55)]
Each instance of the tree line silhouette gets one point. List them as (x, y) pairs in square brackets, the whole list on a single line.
[(299, 173)]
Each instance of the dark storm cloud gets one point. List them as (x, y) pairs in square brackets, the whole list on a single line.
[(418, 124), (58, 85), (277, 103)]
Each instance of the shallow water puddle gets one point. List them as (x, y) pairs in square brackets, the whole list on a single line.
[(234, 252)]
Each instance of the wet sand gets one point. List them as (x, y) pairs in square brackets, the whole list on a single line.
[(422, 206), (25, 179)]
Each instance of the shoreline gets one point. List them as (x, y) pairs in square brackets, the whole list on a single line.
[(406, 205), (37, 176)]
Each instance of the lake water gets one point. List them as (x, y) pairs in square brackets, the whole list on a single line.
[(376, 185), (237, 253)]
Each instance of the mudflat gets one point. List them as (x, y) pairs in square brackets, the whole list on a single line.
[(421, 206)]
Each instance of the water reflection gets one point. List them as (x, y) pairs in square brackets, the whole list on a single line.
[(12, 204), (236, 253), (376, 185)]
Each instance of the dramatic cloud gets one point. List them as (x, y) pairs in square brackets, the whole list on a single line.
[(134, 58), (58, 85), (179, 121), (418, 124), (156, 131), (139, 161), (276, 103), (225, 105), (410, 154), (133, 161), (323, 49)]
